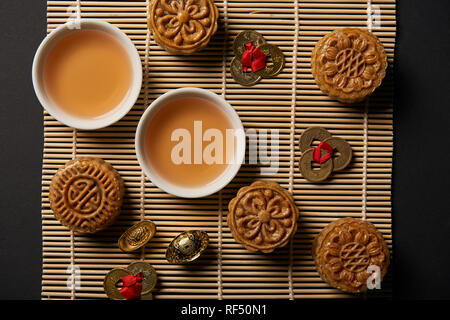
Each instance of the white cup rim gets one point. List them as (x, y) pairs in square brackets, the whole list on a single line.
[(190, 192), (120, 110)]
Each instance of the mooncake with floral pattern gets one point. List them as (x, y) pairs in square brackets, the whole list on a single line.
[(262, 216), (183, 26)]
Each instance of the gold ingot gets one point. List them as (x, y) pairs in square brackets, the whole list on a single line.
[(149, 280), (187, 247), (111, 279), (137, 236)]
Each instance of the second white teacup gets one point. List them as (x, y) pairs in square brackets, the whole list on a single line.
[(181, 188)]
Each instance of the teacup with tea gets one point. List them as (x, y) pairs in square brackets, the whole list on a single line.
[(190, 142), (89, 76)]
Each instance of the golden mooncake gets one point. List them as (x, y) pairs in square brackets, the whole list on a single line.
[(183, 26), (349, 64), (86, 194), (346, 251), (262, 216)]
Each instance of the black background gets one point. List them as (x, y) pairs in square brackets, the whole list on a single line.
[(421, 181)]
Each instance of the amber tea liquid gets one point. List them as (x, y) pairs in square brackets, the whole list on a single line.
[(159, 144), (87, 73)]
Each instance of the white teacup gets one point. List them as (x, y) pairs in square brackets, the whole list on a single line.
[(213, 186), (56, 111)]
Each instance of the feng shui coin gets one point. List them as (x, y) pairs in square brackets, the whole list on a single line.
[(345, 152), (309, 173), (277, 57), (311, 134), (111, 279), (244, 78), (147, 296), (246, 36), (149, 272)]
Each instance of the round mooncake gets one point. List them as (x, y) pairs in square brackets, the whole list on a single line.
[(346, 251), (349, 64), (86, 195), (262, 216), (183, 26)]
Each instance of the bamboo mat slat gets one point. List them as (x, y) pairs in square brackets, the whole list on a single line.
[(291, 102)]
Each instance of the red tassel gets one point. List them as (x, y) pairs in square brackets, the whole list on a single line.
[(132, 286), (317, 152), (253, 58)]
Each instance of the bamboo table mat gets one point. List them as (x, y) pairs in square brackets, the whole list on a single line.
[(74, 265)]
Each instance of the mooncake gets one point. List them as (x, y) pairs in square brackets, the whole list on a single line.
[(86, 194), (349, 64), (346, 251), (262, 216), (183, 26)]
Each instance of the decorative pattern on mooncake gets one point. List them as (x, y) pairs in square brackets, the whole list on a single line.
[(86, 195), (262, 216), (349, 64), (183, 26), (345, 249)]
